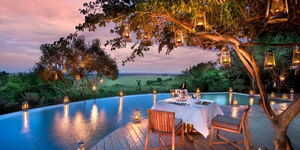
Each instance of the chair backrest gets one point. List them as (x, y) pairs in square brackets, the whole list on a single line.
[(161, 120), (244, 116)]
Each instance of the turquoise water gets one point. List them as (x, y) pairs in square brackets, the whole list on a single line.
[(59, 127)]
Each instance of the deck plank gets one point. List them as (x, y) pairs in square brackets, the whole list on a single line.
[(132, 136)]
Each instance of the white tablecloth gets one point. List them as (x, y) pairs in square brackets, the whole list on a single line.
[(198, 115)]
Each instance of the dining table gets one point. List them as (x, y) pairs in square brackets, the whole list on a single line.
[(195, 112)]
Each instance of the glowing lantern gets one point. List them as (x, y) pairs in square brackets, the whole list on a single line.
[(281, 77), (154, 91), (251, 101), (235, 101), (126, 34), (273, 95), (172, 93), (55, 76), (230, 90), (277, 11), (198, 92), (272, 102), (137, 116), (121, 93), (285, 96), (94, 88), (81, 64), (77, 77), (25, 106), (80, 145), (251, 92), (296, 58), (146, 39), (101, 80), (178, 38), (66, 100), (292, 91), (200, 22), (64, 71), (269, 63), (225, 59)]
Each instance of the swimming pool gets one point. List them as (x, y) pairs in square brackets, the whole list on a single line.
[(59, 127)]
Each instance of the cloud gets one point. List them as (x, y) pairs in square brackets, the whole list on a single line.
[(25, 25)]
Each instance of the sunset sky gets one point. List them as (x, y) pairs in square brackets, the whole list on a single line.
[(26, 24)]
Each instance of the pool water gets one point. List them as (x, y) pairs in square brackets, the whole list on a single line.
[(59, 127)]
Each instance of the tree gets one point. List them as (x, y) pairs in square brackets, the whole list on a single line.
[(229, 23), (82, 62)]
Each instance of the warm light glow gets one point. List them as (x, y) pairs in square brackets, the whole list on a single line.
[(292, 91), (66, 100), (281, 77), (146, 40), (101, 80), (154, 91), (25, 106), (154, 98), (55, 76), (273, 95), (120, 110), (25, 128), (126, 34), (251, 101), (77, 77), (225, 59), (235, 101), (81, 64), (178, 38), (172, 91), (234, 112), (121, 93), (94, 116), (230, 89), (269, 63), (285, 96), (272, 102), (64, 71), (136, 116), (200, 22), (251, 92), (277, 11), (66, 110), (94, 88), (296, 57)]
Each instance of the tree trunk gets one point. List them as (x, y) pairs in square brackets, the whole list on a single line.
[(281, 139)]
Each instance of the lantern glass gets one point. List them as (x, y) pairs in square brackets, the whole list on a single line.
[(225, 59), (126, 34), (94, 88), (200, 22), (230, 89), (277, 11), (296, 57), (251, 92), (66, 100), (121, 93), (172, 92), (136, 116), (285, 96), (55, 76), (77, 77), (281, 77), (178, 38), (64, 71), (269, 63), (154, 91), (292, 91), (235, 101), (25, 106), (273, 95)]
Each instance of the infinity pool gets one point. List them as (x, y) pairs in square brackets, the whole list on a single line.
[(59, 127)]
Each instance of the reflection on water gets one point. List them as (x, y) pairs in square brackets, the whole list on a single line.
[(120, 110), (154, 98), (94, 116), (251, 100), (234, 112), (25, 128)]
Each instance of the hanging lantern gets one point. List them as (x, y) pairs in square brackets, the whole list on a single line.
[(225, 59), (277, 11), (55, 76), (137, 116), (94, 88), (251, 92), (296, 58), (101, 80), (77, 77), (172, 91), (121, 93), (80, 145), (292, 91), (66, 100), (146, 40), (25, 106), (154, 91), (126, 34), (269, 63), (235, 101), (272, 102), (273, 95), (285, 96), (281, 77), (81, 64), (200, 22), (178, 38), (198, 93), (230, 90)]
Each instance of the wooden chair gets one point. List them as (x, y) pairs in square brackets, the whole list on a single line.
[(164, 123), (234, 125)]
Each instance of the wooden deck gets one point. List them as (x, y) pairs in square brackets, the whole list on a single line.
[(132, 136)]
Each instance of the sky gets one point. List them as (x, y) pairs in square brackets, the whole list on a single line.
[(26, 24)]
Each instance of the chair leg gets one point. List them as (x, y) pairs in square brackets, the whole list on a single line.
[(248, 133), (147, 138), (182, 135), (173, 139), (245, 138), (218, 132), (211, 136)]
